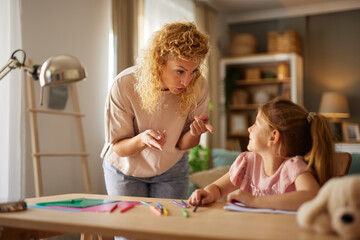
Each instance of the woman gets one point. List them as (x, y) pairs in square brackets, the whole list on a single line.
[(154, 112)]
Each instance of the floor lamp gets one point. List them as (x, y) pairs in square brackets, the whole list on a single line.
[(55, 71)]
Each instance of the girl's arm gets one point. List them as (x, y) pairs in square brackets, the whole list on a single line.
[(149, 138), (306, 189), (212, 192)]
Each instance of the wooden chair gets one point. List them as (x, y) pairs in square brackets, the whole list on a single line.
[(343, 162)]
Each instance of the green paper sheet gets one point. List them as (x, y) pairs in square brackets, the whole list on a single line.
[(77, 202)]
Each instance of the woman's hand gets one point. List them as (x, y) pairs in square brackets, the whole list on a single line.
[(241, 196), (200, 125), (201, 194), (154, 139), (192, 137)]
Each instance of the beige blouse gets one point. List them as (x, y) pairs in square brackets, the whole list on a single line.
[(124, 118)]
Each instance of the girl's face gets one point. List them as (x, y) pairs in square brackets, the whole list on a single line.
[(259, 135), (177, 74)]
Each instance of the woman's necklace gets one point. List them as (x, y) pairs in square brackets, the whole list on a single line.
[(165, 105)]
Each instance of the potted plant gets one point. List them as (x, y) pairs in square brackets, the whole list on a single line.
[(198, 158)]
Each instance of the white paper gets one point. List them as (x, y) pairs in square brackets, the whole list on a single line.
[(243, 208)]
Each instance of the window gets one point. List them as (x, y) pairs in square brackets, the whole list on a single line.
[(11, 105), (159, 12)]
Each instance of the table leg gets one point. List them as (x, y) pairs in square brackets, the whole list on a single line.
[(86, 236)]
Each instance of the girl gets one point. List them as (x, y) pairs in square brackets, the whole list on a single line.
[(154, 112), (290, 156)]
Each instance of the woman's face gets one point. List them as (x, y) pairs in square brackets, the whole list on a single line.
[(177, 74)]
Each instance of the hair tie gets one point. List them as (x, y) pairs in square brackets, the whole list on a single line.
[(311, 116)]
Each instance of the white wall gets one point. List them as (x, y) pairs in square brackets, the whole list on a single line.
[(79, 28)]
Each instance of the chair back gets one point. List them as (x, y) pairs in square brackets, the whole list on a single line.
[(342, 163)]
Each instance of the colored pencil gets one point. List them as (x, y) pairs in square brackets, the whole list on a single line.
[(156, 211), (184, 203), (179, 204), (166, 213), (160, 207), (184, 213), (198, 205), (127, 208), (147, 204), (113, 208), (152, 208)]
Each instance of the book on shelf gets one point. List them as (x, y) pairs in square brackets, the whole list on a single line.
[(285, 90)]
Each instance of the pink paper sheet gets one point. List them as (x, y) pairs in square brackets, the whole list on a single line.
[(98, 208)]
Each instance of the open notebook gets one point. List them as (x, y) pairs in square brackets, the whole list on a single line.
[(237, 206)]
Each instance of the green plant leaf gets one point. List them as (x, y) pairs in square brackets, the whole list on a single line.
[(198, 158)]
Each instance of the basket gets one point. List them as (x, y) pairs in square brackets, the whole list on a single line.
[(252, 74), (242, 44), (284, 43)]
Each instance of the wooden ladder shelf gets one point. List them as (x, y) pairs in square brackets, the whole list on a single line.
[(36, 154)]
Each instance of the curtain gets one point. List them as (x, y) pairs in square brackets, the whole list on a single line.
[(159, 12), (207, 21), (126, 21), (12, 107)]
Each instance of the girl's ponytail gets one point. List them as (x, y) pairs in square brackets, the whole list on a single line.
[(321, 156)]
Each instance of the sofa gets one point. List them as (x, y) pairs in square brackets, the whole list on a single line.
[(222, 160)]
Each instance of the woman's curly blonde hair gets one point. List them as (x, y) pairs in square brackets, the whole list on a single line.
[(181, 40)]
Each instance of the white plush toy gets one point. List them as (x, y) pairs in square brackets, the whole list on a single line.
[(336, 208)]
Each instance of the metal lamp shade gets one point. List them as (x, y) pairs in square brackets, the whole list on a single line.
[(60, 70)]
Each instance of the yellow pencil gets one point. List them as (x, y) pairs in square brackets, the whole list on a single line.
[(165, 211)]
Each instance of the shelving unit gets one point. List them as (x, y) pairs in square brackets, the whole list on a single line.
[(350, 147), (237, 115)]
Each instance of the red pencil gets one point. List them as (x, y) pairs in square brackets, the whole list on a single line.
[(127, 208), (113, 208)]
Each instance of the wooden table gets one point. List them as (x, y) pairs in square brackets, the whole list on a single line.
[(209, 222)]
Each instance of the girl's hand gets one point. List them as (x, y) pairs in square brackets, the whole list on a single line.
[(154, 139), (241, 196), (200, 125), (201, 194)]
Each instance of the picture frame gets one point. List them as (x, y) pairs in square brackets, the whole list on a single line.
[(238, 123), (350, 131)]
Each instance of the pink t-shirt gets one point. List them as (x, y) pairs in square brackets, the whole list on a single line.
[(247, 172)]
